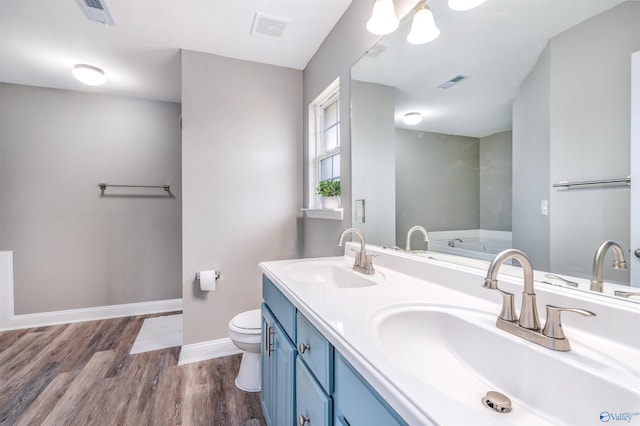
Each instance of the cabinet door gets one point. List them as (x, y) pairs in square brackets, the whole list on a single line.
[(268, 390), (356, 403), (316, 352), (278, 373), (313, 405)]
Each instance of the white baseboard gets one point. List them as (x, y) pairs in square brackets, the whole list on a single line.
[(10, 321), (41, 319), (207, 350)]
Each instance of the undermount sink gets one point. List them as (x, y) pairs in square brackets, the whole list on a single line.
[(461, 353), (330, 274)]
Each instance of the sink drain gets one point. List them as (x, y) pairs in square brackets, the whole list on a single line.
[(495, 401)]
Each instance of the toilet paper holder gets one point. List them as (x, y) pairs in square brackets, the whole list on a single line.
[(198, 275)]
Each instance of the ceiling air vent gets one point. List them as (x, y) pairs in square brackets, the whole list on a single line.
[(97, 11), (452, 81), (267, 26), (376, 50)]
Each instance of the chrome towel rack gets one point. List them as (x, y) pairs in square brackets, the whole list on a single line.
[(104, 186), (563, 185)]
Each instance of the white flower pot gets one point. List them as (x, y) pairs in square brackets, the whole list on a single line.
[(331, 202)]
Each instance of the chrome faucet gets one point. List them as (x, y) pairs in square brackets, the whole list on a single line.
[(528, 325), (411, 231), (529, 312), (363, 262), (598, 261), (452, 243)]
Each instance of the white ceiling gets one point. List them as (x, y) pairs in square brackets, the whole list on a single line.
[(496, 45), (41, 40)]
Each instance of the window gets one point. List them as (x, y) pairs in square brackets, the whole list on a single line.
[(324, 139)]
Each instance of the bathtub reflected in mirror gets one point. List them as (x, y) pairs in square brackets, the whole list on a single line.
[(541, 105)]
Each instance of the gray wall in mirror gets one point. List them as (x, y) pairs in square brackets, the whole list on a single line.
[(372, 120), (586, 71), (570, 122), (437, 183), (495, 181)]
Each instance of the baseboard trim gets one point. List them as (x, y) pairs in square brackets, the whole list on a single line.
[(207, 350), (10, 321), (14, 322)]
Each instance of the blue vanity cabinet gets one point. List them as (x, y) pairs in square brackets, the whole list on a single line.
[(309, 383), (313, 405), (356, 403), (278, 357), (314, 375)]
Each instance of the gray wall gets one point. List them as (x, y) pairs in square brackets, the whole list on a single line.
[(373, 178), (72, 247), (590, 136), (342, 48), (531, 184), (242, 170), (495, 182), (571, 122), (437, 181)]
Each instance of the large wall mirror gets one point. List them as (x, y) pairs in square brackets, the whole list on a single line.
[(515, 98)]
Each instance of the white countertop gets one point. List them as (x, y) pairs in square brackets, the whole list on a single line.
[(345, 316)]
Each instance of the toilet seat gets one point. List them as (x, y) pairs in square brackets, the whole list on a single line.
[(245, 332), (246, 322)]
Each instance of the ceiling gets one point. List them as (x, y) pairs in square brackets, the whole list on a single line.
[(41, 40), (496, 45)]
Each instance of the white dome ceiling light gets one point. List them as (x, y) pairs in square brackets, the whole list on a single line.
[(412, 118), (89, 75)]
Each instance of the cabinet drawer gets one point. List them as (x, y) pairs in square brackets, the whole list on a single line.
[(356, 403), (313, 405), (282, 309), (316, 352)]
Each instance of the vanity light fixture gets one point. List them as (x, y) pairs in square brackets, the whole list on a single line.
[(383, 18), (423, 27), (462, 5), (412, 118), (89, 75)]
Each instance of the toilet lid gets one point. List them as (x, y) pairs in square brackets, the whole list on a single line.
[(249, 320)]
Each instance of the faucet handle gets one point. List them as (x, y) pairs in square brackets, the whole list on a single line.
[(553, 326), (625, 293), (368, 264), (508, 312), (357, 255)]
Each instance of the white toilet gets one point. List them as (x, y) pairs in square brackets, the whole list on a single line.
[(244, 332)]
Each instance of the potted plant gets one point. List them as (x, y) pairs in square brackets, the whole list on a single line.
[(329, 190)]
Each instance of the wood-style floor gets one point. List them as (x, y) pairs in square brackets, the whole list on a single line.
[(82, 374)]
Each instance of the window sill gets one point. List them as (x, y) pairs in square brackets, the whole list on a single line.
[(327, 214)]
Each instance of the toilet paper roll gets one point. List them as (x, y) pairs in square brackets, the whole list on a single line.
[(208, 280)]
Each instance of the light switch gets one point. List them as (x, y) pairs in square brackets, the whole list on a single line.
[(544, 208), (360, 211)]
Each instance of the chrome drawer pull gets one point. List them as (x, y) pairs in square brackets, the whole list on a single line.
[(268, 343), (302, 348), (302, 420)]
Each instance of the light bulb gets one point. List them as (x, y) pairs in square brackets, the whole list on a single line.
[(89, 75), (412, 118), (383, 18), (462, 5), (423, 28)]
